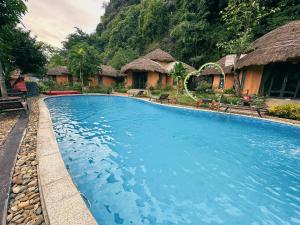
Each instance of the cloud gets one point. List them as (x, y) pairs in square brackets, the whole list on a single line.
[(52, 20)]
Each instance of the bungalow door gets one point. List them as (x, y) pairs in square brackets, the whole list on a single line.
[(282, 80), (139, 80)]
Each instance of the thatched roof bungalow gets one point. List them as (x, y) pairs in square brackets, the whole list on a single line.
[(272, 67), (107, 77), (60, 75), (151, 70), (214, 75)]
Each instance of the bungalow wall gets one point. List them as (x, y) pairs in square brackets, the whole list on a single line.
[(250, 79), (229, 81), (108, 81), (152, 79), (101, 80), (62, 79)]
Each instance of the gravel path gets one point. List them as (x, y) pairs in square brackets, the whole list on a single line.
[(7, 122), (24, 206)]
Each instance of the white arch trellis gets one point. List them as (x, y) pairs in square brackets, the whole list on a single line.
[(202, 68)]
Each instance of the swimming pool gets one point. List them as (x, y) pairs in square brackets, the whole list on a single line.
[(143, 163)]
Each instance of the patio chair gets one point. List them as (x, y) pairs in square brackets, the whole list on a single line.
[(246, 104), (13, 104), (161, 98)]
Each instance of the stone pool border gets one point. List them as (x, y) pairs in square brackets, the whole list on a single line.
[(61, 200)]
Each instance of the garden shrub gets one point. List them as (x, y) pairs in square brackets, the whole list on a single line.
[(233, 100), (100, 90), (204, 87), (120, 88), (229, 91), (288, 111)]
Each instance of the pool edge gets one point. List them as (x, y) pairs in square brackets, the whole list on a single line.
[(61, 200), (267, 119)]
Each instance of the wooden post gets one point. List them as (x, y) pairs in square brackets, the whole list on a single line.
[(2, 82)]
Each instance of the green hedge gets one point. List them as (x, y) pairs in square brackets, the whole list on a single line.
[(288, 111)]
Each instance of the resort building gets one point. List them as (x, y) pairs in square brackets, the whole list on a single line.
[(60, 75), (214, 76), (272, 68), (151, 70), (107, 77)]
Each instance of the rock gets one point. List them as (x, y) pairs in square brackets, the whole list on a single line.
[(34, 163), (38, 211), (15, 218), (23, 204), (35, 200), (16, 189), (20, 196), (14, 208), (32, 183), (9, 217), (18, 179), (39, 220)]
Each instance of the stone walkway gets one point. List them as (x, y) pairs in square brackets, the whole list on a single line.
[(7, 122), (24, 204)]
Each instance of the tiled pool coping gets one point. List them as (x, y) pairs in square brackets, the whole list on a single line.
[(61, 200)]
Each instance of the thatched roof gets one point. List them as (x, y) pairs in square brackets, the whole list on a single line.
[(171, 65), (109, 71), (279, 45), (58, 70), (226, 63), (143, 64), (160, 55)]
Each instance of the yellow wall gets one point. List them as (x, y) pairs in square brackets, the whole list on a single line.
[(62, 79), (216, 81), (152, 79), (253, 79), (229, 81), (108, 81), (128, 78)]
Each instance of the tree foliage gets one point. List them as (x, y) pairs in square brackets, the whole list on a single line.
[(11, 12), (194, 31), (178, 73), (240, 18), (83, 61)]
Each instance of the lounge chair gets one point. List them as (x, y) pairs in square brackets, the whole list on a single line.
[(13, 104), (161, 98), (136, 92), (246, 105)]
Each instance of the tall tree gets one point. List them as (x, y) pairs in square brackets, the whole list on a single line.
[(240, 18), (84, 61), (178, 73), (11, 12)]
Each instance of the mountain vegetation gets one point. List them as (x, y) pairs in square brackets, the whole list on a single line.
[(194, 31)]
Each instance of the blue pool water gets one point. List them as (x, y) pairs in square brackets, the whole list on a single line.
[(141, 163)]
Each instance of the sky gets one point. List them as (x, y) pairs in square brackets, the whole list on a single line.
[(52, 20)]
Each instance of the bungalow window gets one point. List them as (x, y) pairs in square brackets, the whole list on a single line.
[(244, 75), (221, 83), (281, 80)]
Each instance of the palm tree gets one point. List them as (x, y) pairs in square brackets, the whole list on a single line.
[(178, 74)]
